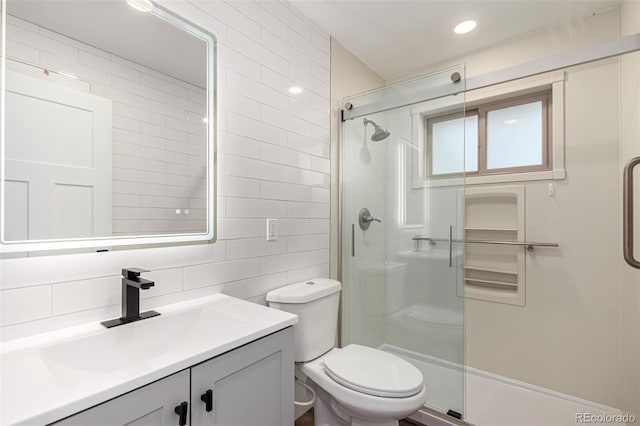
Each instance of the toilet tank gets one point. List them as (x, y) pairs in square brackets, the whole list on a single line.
[(316, 304)]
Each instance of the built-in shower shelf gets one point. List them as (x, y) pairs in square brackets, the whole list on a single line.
[(476, 228), (484, 283), (495, 270)]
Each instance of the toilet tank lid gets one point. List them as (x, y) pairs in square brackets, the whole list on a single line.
[(305, 291)]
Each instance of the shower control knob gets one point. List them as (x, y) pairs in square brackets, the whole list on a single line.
[(365, 219)]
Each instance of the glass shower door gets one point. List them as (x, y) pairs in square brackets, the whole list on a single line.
[(403, 156)]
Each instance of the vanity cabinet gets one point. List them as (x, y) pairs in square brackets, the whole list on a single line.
[(151, 405), (252, 385), (247, 386)]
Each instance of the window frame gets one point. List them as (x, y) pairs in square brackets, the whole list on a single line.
[(481, 110), (429, 122)]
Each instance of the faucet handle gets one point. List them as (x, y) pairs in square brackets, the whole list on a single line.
[(132, 273)]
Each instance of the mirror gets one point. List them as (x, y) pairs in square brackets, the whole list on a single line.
[(108, 133)]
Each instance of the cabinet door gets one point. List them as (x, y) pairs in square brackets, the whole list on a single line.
[(151, 405), (251, 385)]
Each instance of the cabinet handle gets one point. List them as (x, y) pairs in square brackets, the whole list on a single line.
[(207, 398), (182, 410)]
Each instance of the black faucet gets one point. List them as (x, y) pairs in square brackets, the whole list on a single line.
[(132, 283)]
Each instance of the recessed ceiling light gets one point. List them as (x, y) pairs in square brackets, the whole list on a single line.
[(141, 5), (465, 27), (296, 90)]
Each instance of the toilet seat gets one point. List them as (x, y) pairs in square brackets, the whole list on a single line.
[(373, 372), (359, 404)]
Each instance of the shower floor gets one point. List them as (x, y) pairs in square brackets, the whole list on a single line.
[(493, 400), (444, 381)]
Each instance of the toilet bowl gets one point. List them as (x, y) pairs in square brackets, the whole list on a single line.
[(355, 385)]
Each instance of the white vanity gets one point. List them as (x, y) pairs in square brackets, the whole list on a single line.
[(213, 361)]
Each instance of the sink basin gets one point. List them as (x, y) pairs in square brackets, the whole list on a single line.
[(105, 352), (79, 367), (140, 342)]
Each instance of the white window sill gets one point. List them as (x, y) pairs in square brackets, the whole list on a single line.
[(556, 174)]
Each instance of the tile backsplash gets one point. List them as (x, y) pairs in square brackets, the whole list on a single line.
[(273, 162)]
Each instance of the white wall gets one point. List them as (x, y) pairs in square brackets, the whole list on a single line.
[(273, 161)]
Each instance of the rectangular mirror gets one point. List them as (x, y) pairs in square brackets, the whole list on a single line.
[(108, 126)]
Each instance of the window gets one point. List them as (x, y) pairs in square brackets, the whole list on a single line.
[(509, 136)]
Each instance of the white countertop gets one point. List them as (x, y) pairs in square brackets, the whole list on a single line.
[(50, 376)]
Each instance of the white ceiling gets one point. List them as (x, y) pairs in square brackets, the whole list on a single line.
[(115, 27), (395, 37)]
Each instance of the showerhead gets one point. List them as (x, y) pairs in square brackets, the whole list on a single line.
[(379, 133)]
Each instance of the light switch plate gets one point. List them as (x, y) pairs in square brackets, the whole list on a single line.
[(272, 229)]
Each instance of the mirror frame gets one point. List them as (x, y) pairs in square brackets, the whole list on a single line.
[(105, 243)]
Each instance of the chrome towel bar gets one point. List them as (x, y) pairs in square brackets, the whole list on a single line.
[(529, 244)]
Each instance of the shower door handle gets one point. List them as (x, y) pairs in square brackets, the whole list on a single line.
[(450, 246), (353, 240), (627, 208)]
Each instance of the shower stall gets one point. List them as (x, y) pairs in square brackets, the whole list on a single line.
[(501, 278)]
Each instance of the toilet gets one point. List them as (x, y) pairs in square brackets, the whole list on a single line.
[(355, 385)]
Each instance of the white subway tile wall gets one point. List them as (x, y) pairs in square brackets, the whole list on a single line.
[(273, 162)]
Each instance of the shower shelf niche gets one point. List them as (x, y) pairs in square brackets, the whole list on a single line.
[(496, 270), (467, 228), (495, 273)]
